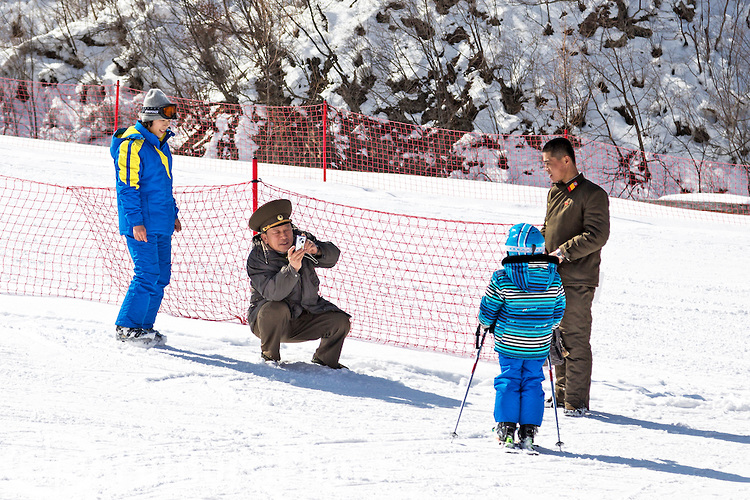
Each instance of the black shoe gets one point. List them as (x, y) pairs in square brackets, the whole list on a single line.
[(337, 366), (549, 403), (266, 357), (577, 412)]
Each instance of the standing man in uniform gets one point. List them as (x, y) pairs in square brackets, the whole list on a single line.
[(575, 229)]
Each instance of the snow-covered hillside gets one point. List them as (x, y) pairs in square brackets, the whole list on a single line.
[(84, 417), (662, 77)]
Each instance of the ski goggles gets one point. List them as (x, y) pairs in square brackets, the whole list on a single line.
[(524, 250), (168, 111)]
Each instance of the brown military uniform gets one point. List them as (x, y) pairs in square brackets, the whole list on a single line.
[(577, 222)]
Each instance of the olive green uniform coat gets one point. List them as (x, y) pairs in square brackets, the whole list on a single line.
[(577, 222)]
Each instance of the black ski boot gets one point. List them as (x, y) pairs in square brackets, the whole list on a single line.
[(526, 438), (506, 432)]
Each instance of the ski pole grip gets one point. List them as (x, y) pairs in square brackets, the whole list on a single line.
[(479, 328)]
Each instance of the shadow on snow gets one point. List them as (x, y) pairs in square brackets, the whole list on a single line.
[(669, 428), (310, 376), (669, 466)]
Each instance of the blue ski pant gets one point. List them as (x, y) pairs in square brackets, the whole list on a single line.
[(519, 396), (152, 263)]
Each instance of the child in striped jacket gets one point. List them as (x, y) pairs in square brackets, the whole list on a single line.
[(524, 302)]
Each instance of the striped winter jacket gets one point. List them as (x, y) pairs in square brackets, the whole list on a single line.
[(143, 171), (525, 301)]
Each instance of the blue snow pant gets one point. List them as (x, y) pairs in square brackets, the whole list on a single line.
[(152, 261), (519, 396)]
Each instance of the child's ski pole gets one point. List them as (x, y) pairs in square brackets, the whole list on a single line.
[(554, 403), (479, 345)]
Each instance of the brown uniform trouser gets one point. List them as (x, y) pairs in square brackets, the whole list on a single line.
[(573, 376), (274, 325)]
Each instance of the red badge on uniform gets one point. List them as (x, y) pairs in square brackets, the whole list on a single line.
[(572, 186)]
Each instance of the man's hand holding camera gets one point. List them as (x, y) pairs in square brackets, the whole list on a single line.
[(297, 252)]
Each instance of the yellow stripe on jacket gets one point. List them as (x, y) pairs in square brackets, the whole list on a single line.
[(165, 162), (129, 162)]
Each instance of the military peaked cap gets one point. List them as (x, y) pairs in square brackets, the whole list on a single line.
[(274, 213)]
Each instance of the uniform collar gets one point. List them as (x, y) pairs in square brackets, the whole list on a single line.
[(571, 184)]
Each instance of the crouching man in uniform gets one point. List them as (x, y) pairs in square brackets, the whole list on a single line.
[(285, 305)]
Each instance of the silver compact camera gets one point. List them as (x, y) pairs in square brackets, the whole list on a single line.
[(299, 244)]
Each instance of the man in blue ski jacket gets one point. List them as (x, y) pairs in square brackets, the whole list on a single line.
[(525, 301), (147, 214)]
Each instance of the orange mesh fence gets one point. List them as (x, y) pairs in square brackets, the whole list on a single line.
[(407, 281), (331, 141), (48, 245)]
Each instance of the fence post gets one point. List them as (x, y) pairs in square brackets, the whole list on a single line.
[(255, 184), (117, 105), (325, 138)]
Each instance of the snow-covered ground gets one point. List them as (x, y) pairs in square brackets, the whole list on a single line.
[(84, 417)]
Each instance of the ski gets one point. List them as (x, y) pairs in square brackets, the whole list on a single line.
[(519, 447)]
